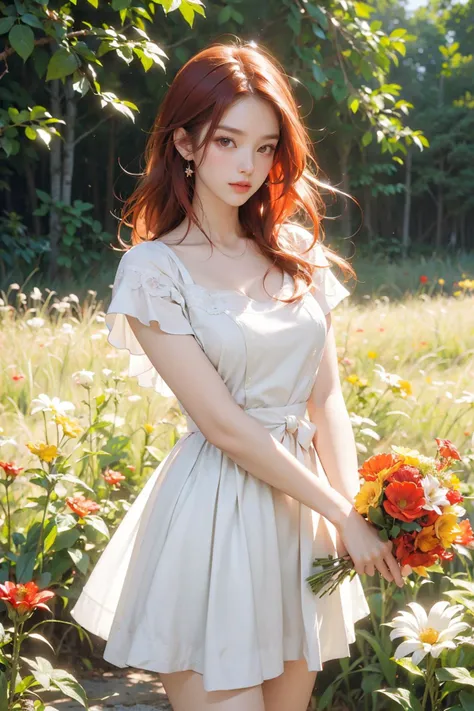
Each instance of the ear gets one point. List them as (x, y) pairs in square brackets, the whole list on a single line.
[(182, 143)]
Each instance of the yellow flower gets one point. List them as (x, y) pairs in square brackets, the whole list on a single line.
[(441, 281), (148, 427), (71, 428), (428, 379), (457, 293), (405, 387), (410, 456), (426, 539), (368, 495), (455, 482), (447, 528), (372, 354), (46, 452), (353, 379)]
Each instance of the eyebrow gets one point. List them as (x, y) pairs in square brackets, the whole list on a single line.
[(242, 133)]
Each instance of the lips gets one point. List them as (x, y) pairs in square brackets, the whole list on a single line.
[(244, 185)]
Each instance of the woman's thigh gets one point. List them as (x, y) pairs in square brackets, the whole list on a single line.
[(292, 690), (185, 692)]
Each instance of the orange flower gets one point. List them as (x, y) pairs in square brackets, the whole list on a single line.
[(426, 540), (374, 465), (11, 469), (82, 506), (24, 597), (406, 554), (112, 477), (18, 376), (466, 537), (447, 449), (404, 500), (454, 497)]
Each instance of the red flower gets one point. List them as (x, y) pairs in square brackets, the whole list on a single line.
[(418, 558), (11, 469), (443, 553), (447, 449), (25, 597), (405, 473), (404, 546), (454, 497), (112, 477), (373, 465), (82, 506), (18, 376), (423, 279), (404, 500), (466, 538), (428, 518)]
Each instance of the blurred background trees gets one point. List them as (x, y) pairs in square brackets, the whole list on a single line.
[(387, 96)]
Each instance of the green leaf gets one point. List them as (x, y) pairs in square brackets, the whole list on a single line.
[(318, 73), (6, 23), (403, 697), (354, 103), (32, 20), (80, 559), (98, 524), (367, 138), (409, 666), (61, 64), (388, 667), (120, 4), (467, 701), (66, 683), (376, 516), (22, 39), (30, 133), (460, 675)]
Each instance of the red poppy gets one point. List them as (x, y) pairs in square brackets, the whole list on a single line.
[(405, 473), (454, 497), (418, 558), (373, 465), (423, 279), (404, 500), (447, 449), (25, 597), (18, 376), (113, 477), (11, 469), (404, 545), (82, 506), (466, 538)]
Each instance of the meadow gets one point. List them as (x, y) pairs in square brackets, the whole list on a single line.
[(78, 439)]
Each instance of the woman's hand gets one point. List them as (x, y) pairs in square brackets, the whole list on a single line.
[(360, 540)]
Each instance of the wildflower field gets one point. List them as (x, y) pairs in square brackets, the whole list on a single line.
[(78, 439)]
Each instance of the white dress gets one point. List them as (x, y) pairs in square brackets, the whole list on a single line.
[(207, 570)]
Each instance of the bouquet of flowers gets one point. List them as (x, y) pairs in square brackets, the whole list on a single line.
[(412, 500)]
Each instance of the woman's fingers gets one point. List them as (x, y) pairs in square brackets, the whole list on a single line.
[(394, 569)]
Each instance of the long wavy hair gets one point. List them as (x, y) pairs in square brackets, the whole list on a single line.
[(202, 90)]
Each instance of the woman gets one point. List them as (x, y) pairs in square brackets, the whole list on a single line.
[(225, 303)]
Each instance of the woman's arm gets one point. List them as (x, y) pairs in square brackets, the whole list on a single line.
[(334, 438), (191, 376)]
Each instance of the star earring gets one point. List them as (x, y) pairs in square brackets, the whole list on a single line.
[(189, 171)]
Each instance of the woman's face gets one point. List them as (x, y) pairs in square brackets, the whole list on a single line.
[(241, 150)]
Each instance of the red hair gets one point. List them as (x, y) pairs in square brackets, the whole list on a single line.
[(202, 90)]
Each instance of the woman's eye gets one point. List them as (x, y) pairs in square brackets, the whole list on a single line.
[(223, 138), (272, 148)]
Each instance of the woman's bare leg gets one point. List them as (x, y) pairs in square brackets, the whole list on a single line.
[(185, 692), (292, 690)]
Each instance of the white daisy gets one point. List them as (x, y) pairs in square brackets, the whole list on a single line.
[(427, 634), (43, 403)]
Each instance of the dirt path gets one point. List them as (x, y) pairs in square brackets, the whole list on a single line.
[(129, 690)]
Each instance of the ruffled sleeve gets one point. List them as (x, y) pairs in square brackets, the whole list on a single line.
[(146, 288), (329, 290)]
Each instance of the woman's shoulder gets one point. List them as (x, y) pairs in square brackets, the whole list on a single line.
[(300, 239), (147, 256)]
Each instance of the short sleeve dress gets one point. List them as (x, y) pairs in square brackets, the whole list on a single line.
[(207, 570)]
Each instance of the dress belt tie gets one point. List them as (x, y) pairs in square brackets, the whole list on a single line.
[(280, 420)]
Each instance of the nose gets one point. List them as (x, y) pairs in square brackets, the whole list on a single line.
[(246, 163)]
